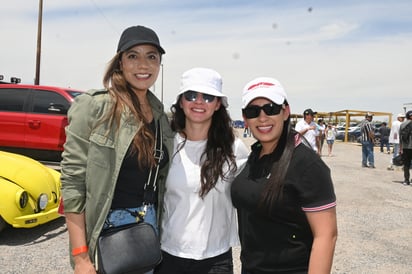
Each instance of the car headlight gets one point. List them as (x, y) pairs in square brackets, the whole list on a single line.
[(22, 199), (42, 201)]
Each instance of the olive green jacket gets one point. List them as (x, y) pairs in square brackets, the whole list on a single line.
[(93, 155)]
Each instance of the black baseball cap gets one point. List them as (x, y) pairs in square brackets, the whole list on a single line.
[(408, 115), (138, 35), (309, 111)]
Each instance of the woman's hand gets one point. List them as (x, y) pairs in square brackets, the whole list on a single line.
[(83, 264)]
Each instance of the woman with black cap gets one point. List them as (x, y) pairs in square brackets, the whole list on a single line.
[(109, 149)]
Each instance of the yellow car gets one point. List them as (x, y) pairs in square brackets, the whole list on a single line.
[(29, 191)]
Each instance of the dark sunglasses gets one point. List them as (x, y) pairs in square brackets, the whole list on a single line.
[(271, 109), (191, 96)]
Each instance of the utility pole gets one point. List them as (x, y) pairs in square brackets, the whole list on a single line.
[(162, 85), (39, 27)]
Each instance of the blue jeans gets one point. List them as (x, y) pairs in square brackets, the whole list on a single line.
[(385, 143), (395, 150), (118, 217), (367, 153)]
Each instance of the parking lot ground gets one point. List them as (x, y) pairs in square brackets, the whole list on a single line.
[(374, 220)]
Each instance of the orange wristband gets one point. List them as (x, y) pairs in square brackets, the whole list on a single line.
[(79, 250)]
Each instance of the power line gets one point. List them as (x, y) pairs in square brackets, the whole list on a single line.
[(103, 15)]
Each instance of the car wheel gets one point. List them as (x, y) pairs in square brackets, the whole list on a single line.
[(377, 142), (3, 224)]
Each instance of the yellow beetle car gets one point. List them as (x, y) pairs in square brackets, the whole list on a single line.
[(29, 191)]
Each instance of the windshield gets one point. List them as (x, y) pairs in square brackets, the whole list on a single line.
[(74, 93)]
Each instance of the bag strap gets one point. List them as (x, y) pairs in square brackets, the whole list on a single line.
[(150, 186)]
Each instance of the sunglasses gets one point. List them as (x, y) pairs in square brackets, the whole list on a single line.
[(191, 96), (271, 109)]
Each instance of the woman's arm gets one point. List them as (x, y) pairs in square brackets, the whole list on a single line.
[(73, 170), (76, 227), (324, 228)]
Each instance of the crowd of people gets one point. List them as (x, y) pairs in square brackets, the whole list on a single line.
[(276, 200)]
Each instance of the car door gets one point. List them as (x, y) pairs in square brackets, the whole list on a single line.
[(46, 120), (13, 103)]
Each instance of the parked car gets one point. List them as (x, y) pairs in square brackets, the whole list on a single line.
[(238, 124), (353, 134), (30, 191), (33, 118)]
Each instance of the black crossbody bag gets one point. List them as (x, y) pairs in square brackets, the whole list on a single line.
[(133, 248)]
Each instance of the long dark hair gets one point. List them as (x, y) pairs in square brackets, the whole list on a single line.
[(219, 146), (274, 186)]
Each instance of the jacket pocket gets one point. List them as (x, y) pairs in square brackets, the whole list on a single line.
[(101, 149)]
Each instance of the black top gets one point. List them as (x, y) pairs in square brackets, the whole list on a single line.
[(131, 180), (385, 132), (281, 242)]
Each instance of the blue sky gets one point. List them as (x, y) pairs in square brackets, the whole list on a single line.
[(329, 55)]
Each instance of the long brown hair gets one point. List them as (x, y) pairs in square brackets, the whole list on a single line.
[(124, 98), (218, 150)]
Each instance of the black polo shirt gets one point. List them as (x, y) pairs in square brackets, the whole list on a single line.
[(280, 242)]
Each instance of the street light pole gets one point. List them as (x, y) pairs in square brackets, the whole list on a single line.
[(39, 27)]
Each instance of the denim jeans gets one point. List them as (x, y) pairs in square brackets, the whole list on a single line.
[(395, 150), (118, 217), (385, 143), (367, 153)]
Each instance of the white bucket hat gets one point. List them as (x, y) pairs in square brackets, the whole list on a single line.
[(202, 80)]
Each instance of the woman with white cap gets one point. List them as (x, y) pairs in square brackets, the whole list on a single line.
[(284, 196), (199, 224)]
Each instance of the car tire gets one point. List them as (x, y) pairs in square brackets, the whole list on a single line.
[(3, 224), (377, 142)]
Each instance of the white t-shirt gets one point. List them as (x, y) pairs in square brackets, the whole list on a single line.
[(330, 134), (192, 227), (310, 135), (394, 135)]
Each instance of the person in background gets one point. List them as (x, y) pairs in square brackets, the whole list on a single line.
[(109, 150), (367, 140), (394, 136), (199, 224), (284, 196), (406, 146), (321, 128), (246, 132), (308, 128), (330, 133), (384, 142)]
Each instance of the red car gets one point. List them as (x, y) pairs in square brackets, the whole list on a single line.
[(33, 118)]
